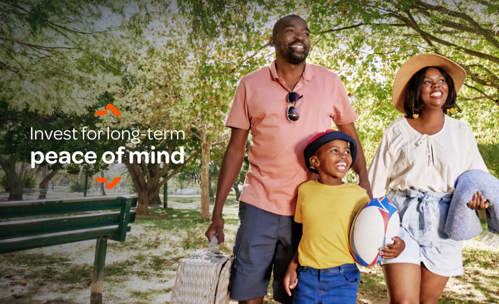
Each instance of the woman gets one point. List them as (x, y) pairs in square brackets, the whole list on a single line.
[(417, 163)]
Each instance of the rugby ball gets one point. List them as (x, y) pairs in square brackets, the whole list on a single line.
[(373, 228)]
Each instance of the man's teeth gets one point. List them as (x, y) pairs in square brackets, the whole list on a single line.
[(298, 46), (436, 94)]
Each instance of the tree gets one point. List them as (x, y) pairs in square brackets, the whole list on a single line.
[(367, 41), (152, 96), (463, 30), (50, 54), (226, 41), (17, 143)]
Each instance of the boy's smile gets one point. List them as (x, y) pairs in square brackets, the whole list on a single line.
[(332, 161)]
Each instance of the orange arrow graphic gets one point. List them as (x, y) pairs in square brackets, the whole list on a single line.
[(109, 108), (111, 184)]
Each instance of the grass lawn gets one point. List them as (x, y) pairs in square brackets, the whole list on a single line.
[(142, 269)]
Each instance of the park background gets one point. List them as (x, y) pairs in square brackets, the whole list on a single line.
[(174, 66)]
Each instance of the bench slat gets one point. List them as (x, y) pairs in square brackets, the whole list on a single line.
[(42, 240), (17, 228), (54, 207)]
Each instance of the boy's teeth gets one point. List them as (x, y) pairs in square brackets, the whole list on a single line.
[(341, 166)]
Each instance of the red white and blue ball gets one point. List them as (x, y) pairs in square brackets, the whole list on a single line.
[(373, 227)]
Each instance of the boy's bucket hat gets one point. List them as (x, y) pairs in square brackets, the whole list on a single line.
[(324, 137)]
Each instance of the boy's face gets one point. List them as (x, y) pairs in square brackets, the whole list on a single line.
[(333, 159)]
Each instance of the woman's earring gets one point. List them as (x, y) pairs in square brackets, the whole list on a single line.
[(414, 115)]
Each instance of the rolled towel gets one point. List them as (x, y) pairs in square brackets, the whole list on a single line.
[(462, 223)]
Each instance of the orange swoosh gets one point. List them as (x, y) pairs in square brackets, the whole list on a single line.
[(113, 183), (113, 109), (101, 112), (101, 179)]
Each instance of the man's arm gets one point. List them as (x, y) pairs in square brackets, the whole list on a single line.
[(360, 160), (231, 165)]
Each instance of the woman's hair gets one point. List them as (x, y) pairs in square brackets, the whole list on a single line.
[(412, 99)]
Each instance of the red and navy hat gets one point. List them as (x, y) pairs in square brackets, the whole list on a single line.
[(322, 138)]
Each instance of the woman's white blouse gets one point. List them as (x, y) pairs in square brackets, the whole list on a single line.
[(408, 159)]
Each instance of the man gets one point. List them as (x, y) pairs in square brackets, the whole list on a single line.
[(283, 106)]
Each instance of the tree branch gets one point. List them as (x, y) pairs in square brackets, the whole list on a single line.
[(427, 36), (496, 99), (493, 80), (358, 25), (461, 27), (489, 35), (412, 23), (37, 46), (4, 65)]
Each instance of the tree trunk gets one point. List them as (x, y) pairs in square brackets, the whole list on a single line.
[(85, 184), (210, 188), (44, 184), (155, 198), (147, 185), (143, 201), (14, 180), (165, 195), (205, 173), (102, 188), (147, 197)]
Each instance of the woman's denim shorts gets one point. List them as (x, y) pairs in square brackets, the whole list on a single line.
[(422, 217)]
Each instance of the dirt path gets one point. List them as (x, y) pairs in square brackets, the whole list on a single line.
[(142, 269)]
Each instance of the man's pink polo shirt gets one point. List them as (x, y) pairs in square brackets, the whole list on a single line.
[(277, 165)]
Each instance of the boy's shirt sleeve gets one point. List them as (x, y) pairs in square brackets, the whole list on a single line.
[(361, 202), (299, 203)]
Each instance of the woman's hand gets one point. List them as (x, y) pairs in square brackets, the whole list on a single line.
[(478, 201), (393, 250)]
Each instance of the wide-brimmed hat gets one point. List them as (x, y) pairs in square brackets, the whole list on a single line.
[(418, 62), (322, 138)]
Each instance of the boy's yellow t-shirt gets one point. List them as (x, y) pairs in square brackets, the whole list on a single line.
[(326, 213)]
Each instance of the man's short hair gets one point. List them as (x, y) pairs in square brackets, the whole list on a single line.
[(282, 22)]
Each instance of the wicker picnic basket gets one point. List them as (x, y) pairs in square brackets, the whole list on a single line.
[(203, 278)]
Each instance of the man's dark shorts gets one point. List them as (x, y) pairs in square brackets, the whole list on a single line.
[(265, 244)]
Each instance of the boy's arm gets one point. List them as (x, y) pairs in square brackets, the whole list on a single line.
[(231, 165), (360, 160), (291, 277), (393, 250)]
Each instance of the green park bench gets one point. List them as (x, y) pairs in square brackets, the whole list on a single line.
[(39, 223)]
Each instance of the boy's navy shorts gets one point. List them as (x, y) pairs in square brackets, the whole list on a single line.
[(265, 244)]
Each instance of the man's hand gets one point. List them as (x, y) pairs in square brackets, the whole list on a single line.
[(393, 250), (364, 183), (290, 280), (478, 201), (216, 229)]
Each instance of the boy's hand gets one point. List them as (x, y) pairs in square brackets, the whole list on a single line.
[(478, 201), (393, 250), (290, 280)]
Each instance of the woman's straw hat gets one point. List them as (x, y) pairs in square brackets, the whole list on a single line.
[(418, 62)]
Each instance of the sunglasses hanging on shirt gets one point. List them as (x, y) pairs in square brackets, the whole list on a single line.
[(292, 112)]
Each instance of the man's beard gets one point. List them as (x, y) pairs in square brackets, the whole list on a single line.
[(295, 58)]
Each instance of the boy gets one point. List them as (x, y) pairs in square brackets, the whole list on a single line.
[(326, 208)]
